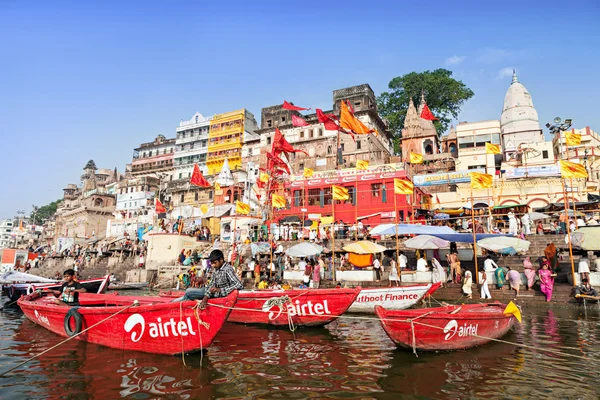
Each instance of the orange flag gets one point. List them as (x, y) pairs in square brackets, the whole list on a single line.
[(416, 158), (570, 169), (242, 208), (350, 122), (427, 114), (278, 201), (198, 179), (362, 165), (159, 207), (340, 193), (491, 148), (402, 186), (573, 139), (481, 181)]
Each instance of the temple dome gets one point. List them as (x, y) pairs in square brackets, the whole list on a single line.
[(518, 114)]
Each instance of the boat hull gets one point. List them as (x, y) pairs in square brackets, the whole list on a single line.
[(391, 298), (22, 289), (158, 327), (437, 329), (305, 307)]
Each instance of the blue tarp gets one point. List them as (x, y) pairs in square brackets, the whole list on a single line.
[(465, 237), (411, 229)]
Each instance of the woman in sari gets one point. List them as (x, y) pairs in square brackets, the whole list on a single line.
[(500, 277), (438, 274), (546, 281), (466, 288), (514, 278), (529, 272), (550, 253)]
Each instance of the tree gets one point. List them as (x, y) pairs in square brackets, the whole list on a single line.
[(44, 212), (90, 165), (444, 95)]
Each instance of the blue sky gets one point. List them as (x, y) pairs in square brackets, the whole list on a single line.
[(92, 81)]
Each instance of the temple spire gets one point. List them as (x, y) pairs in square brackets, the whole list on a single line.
[(514, 77)]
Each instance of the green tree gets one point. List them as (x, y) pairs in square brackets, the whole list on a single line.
[(44, 212), (90, 165), (444, 95)]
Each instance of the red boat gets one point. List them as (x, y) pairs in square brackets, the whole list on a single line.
[(16, 290), (306, 307), (447, 328), (151, 325)]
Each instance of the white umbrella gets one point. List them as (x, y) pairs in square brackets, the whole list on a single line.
[(504, 245), (534, 216), (304, 249), (426, 242)]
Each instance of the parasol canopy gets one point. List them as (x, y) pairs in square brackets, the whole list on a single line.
[(441, 216), (586, 238), (534, 216), (304, 249), (364, 247), (504, 245), (570, 213), (426, 242)]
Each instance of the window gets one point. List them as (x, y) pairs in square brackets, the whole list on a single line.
[(375, 189), (196, 196), (165, 151), (329, 149), (358, 145), (301, 134), (144, 155), (466, 142), (476, 166), (283, 119), (269, 123), (191, 146), (249, 151), (150, 153), (320, 132), (180, 175), (311, 132), (357, 104), (326, 193), (496, 138), (182, 198), (544, 154), (297, 198), (352, 193), (314, 196), (301, 166), (342, 146), (269, 140), (481, 140)]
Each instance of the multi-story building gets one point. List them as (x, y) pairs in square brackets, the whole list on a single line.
[(226, 137), (321, 144), (6, 229), (471, 138), (586, 153), (154, 158), (191, 146)]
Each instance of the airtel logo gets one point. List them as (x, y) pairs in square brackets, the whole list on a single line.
[(158, 328), (452, 328)]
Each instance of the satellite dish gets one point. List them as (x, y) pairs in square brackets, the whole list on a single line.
[(557, 120)]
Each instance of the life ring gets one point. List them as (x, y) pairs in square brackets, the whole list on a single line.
[(30, 289), (11, 293), (73, 313)]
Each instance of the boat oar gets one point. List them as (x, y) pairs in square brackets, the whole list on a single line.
[(135, 303)]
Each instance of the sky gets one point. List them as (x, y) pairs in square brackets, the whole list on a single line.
[(93, 80)]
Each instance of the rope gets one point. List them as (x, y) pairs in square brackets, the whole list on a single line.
[(8, 304), (411, 321), (135, 303), (414, 340)]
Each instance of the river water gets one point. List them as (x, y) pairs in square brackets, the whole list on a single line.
[(348, 359)]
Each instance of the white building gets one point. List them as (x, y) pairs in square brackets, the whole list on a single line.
[(191, 146), (6, 229), (471, 138)]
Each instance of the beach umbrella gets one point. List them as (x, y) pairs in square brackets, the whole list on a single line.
[(504, 245), (364, 247), (534, 216), (441, 216), (304, 249), (426, 242), (570, 213)]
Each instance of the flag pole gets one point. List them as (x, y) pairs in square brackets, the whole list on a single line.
[(303, 204), (332, 236), (566, 209), (271, 244), (397, 245), (474, 236), (356, 207)]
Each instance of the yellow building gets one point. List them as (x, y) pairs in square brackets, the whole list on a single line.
[(226, 138)]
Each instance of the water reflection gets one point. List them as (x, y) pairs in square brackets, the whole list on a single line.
[(347, 359)]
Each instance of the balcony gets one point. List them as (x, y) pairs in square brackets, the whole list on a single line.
[(225, 144), (225, 131), (222, 157)]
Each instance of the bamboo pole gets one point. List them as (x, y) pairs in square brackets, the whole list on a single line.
[(356, 207), (271, 244), (397, 244), (332, 236), (566, 210), (474, 236)]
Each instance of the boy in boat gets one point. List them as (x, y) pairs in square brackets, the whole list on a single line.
[(223, 281), (69, 291)]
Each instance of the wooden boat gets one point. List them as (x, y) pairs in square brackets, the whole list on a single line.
[(306, 307), (391, 298), (152, 326), (446, 328), (94, 285), (127, 286)]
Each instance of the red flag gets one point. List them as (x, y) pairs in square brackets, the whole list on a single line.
[(274, 161), (328, 120), (280, 145), (298, 121), (427, 114), (437, 199), (159, 207), (198, 179), (350, 107), (291, 107)]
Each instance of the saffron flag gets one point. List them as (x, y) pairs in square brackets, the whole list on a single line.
[(328, 120), (362, 165), (403, 186), (278, 201), (204, 208), (198, 179), (281, 145), (350, 122), (242, 208), (427, 114), (159, 207), (298, 121), (291, 107), (340, 193), (481, 181), (264, 177), (274, 161), (492, 148), (570, 169), (573, 139), (308, 172), (416, 158)]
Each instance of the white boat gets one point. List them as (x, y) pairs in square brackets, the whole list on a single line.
[(391, 298)]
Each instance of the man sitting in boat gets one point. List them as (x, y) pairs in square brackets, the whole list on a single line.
[(585, 289), (69, 291), (223, 281)]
